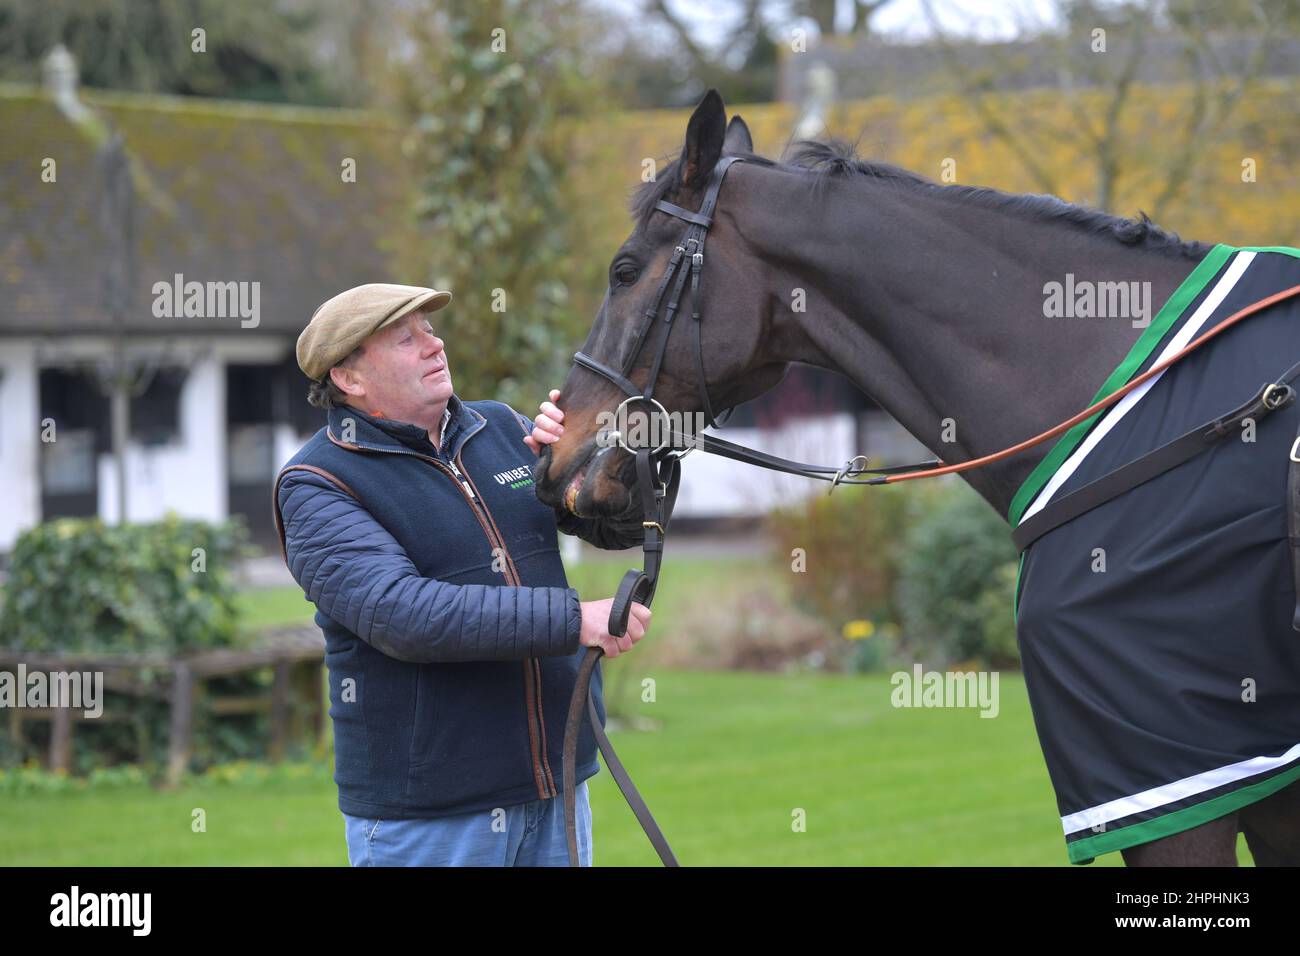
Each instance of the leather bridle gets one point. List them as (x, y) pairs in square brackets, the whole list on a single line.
[(687, 260), (657, 474)]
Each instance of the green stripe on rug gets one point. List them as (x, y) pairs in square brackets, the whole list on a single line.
[(1089, 848), (1173, 308)]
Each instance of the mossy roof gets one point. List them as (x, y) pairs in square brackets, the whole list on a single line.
[(223, 192)]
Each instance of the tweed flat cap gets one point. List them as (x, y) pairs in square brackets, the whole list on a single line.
[(344, 322)]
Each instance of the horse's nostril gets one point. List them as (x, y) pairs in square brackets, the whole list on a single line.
[(627, 472)]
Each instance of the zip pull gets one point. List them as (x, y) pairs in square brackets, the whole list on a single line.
[(469, 489)]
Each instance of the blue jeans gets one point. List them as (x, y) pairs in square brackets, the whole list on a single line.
[(529, 834)]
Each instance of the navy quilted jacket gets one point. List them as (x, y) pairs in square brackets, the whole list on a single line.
[(451, 634)]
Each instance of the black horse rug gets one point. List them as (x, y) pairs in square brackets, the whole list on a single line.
[(1155, 630)]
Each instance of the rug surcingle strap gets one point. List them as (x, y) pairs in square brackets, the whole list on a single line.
[(1277, 394)]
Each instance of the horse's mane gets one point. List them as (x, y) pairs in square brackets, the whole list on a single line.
[(834, 159)]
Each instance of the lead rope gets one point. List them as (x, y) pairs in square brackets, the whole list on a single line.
[(658, 495)]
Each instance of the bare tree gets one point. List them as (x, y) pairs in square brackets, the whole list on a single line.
[(1099, 50), (709, 65), (745, 57), (822, 12)]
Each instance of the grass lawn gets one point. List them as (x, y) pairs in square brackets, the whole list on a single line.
[(734, 756), (273, 607), (682, 582)]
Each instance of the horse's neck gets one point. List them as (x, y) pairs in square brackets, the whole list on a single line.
[(935, 307)]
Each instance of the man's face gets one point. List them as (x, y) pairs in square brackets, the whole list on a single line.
[(402, 372)]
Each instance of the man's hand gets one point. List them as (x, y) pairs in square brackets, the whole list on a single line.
[(547, 427), (595, 627)]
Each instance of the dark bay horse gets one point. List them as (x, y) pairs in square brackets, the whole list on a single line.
[(929, 298)]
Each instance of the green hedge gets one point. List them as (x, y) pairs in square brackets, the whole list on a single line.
[(78, 586), (81, 585)]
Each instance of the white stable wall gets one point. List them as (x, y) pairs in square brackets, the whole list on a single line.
[(186, 476), (20, 431), (719, 487)]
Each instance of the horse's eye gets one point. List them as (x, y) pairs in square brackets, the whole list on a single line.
[(626, 274)]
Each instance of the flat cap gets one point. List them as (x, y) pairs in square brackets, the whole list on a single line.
[(345, 321)]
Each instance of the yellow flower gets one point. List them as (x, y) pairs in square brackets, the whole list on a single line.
[(858, 630)]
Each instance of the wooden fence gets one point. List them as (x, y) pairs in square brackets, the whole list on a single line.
[(294, 702)]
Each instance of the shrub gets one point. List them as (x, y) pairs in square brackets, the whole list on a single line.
[(956, 582), (850, 542), (80, 585), (999, 616)]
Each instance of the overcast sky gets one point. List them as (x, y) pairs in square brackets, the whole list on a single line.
[(903, 20)]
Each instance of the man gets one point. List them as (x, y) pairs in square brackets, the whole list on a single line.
[(451, 635)]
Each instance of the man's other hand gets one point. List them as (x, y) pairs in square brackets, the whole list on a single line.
[(546, 426), (595, 627)]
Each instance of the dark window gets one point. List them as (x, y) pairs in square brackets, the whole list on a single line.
[(291, 399), (69, 479), (248, 394), (73, 399), (261, 394), (156, 414)]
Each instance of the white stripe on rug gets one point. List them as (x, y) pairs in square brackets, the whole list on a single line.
[(1112, 417), (1178, 790)]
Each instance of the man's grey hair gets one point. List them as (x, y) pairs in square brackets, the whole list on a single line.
[(325, 394)]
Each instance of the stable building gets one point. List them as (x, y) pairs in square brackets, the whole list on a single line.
[(251, 208), (187, 260)]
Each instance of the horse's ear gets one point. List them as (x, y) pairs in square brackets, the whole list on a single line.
[(738, 139), (705, 134)]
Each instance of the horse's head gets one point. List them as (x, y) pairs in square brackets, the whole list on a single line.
[(583, 471)]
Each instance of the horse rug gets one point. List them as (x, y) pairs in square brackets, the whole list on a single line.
[(1155, 630)]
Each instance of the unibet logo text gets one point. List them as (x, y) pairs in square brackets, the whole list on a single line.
[(520, 477)]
